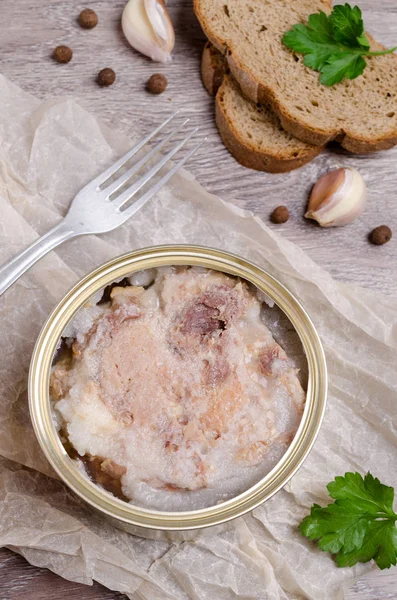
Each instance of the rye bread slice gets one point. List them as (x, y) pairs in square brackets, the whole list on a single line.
[(213, 68), (361, 114), (251, 133)]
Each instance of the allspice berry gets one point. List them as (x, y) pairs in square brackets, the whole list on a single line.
[(62, 54), (280, 215), (380, 235), (157, 83), (106, 77), (88, 19)]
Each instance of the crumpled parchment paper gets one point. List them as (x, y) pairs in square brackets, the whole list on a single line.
[(48, 150)]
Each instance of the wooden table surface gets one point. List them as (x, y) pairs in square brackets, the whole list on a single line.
[(32, 28)]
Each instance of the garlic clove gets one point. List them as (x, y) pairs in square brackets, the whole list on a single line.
[(338, 198), (148, 28), (161, 23)]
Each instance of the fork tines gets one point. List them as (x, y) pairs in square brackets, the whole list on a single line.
[(109, 182)]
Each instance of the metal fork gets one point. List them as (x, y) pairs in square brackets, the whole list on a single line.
[(102, 205)]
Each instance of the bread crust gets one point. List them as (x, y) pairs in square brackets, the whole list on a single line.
[(213, 69), (216, 80), (310, 135), (251, 157), (259, 93)]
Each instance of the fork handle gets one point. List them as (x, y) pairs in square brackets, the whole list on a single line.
[(17, 266)]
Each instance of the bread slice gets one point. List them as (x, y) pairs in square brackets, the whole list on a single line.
[(213, 68), (361, 114), (251, 133)]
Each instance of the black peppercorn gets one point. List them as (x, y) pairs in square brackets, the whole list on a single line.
[(106, 77), (62, 54), (380, 235), (157, 84), (88, 18), (280, 215)]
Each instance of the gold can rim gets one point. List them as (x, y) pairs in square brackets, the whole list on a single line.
[(152, 257)]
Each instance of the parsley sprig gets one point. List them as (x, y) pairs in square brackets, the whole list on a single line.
[(334, 44), (359, 526)]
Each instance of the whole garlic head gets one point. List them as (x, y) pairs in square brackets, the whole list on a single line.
[(338, 198), (148, 28)]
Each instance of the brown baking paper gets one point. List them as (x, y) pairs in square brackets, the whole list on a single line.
[(48, 151)]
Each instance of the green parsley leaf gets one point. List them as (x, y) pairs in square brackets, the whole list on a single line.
[(344, 64), (369, 493), (359, 526), (335, 44), (380, 543), (348, 25)]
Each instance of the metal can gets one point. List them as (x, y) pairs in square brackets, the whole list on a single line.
[(174, 525)]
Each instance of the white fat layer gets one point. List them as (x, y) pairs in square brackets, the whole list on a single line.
[(138, 393)]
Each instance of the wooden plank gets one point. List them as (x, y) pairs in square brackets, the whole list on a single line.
[(32, 29), (19, 580)]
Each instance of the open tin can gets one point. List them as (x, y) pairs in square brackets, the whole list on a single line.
[(152, 523)]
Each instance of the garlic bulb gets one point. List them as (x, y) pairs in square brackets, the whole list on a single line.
[(337, 198), (148, 28)]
